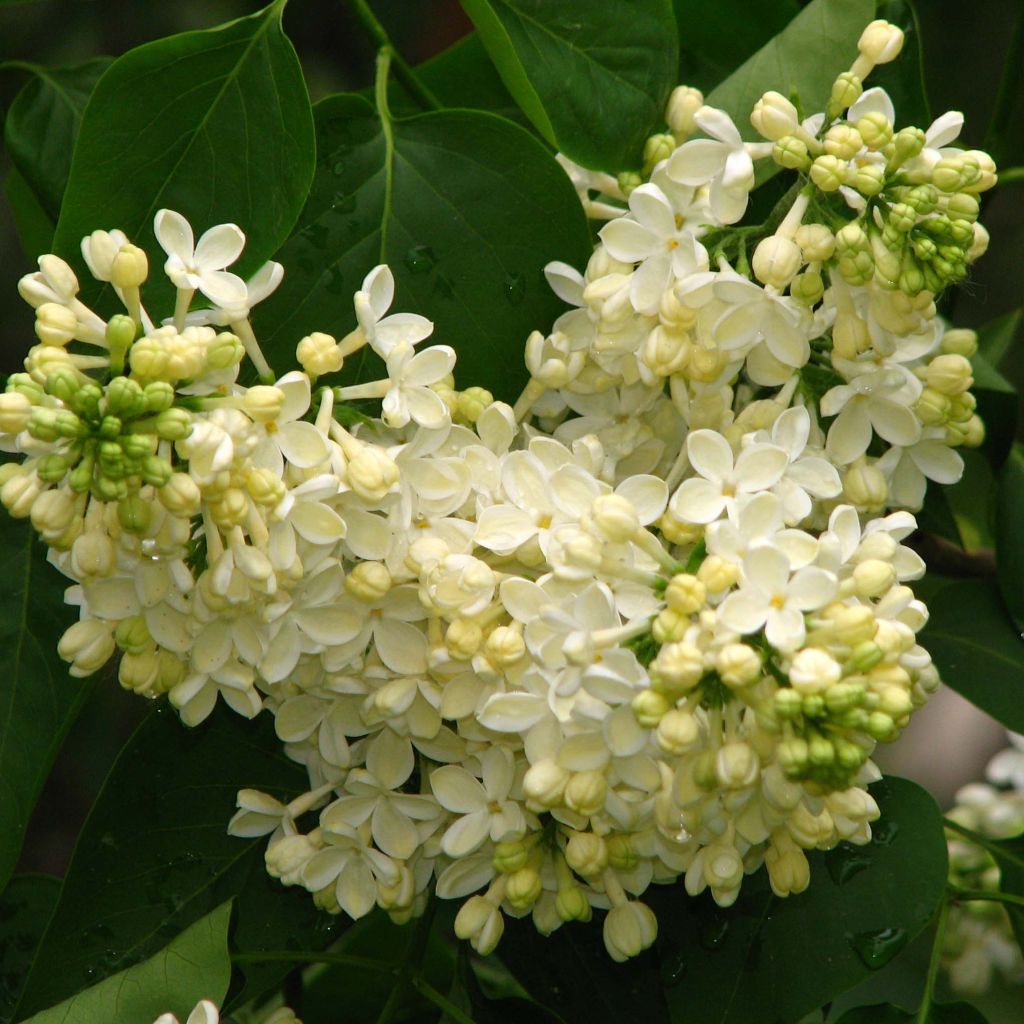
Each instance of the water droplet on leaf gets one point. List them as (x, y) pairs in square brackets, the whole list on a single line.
[(845, 862), (420, 258), (515, 288), (877, 948)]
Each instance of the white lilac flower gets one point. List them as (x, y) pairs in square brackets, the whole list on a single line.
[(200, 265)]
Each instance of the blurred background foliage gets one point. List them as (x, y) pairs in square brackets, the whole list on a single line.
[(972, 62)]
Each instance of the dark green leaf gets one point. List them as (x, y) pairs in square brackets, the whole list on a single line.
[(997, 406), (467, 994), (996, 337), (903, 79), (766, 959), (941, 1013), (976, 647), (38, 700), (1009, 855), (42, 125), (25, 907), (155, 856), (1010, 535), (714, 39), (461, 76), (472, 210), (571, 973), (593, 78), (818, 44), (215, 124), (195, 966), (34, 225), (971, 501)]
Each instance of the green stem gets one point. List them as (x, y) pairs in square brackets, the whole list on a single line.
[(409, 973), (999, 852), (376, 31), (336, 959), (990, 895), (1014, 176), (441, 1002), (380, 92), (924, 1010)]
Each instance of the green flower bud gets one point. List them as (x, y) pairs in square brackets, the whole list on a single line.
[(902, 217), (509, 857), (881, 727), (846, 90), (791, 153), (173, 424), (51, 469), (120, 333), (829, 172), (932, 408), (843, 141), (793, 756), (868, 179), (911, 279), (907, 143), (820, 751), (887, 264), (807, 288), (156, 472), (948, 175), (159, 396), (107, 489), (571, 904), (23, 384), (224, 351), (813, 705), (788, 703), (110, 427), (649, 706), (924, 249), (962, 234), (125, 398), (816, 242), (961, 341), (132, 635), (656, 149), (134, 514), (875, 129), (856, 270), (629, 180), (963, 206), (64, 383), (86, 401), (129, 268)]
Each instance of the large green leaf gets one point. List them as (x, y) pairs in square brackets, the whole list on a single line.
[(996, 337), (34, 225), (466, 209), (714, 39), (592, 77), (976, 647), (1010, 536), (42, 124), (766, 959), (25, 907), (997, 406), (38, 700), (819, 43), (215, 124), (155, 856), (195, 966)]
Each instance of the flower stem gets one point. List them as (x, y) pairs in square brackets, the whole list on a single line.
[(452, 1012), (376, 31), (924, 1010), (990, 895), (409, 973)]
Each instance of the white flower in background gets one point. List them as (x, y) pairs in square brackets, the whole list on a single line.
[(387, 333), (205, 1012)]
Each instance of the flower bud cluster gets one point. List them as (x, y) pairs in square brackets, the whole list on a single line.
[(646, 624)]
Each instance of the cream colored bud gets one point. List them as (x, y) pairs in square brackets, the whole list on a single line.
[(685, 594), (875, 129), (371, 473), (55, 324), (873, 577), (850, 336), (263, 403), (93, 555), (774, 116), (53, 511), (586, 791), (472, 403), (851, 624), (880, 42), (505, 646), (511, 856), (678, 732), (828, 172), (678, 666), (865, 486), (319, 353), (139, 672), (19, 492), (683, 104), (545, 783), (738, 665), (960, 341), (265, 488), (287, 856), (586, 854), (776, 261), (180, 496), (481, 923), (666, 351), (736, 765), (948, 374), (15, 411), (843, 141), (717, 574), (649, 706), (231, 510), (723, 866), (813, 671), (88, 645), (130, 267), (868, 179), (669, 626), (933, 408), (629, 929), (463, 639), (615, 517), (846, 90), (523, 888), (369, 581), (816, 241), (571, 904)]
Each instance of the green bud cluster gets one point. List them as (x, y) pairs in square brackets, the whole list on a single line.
[(107, 437)]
